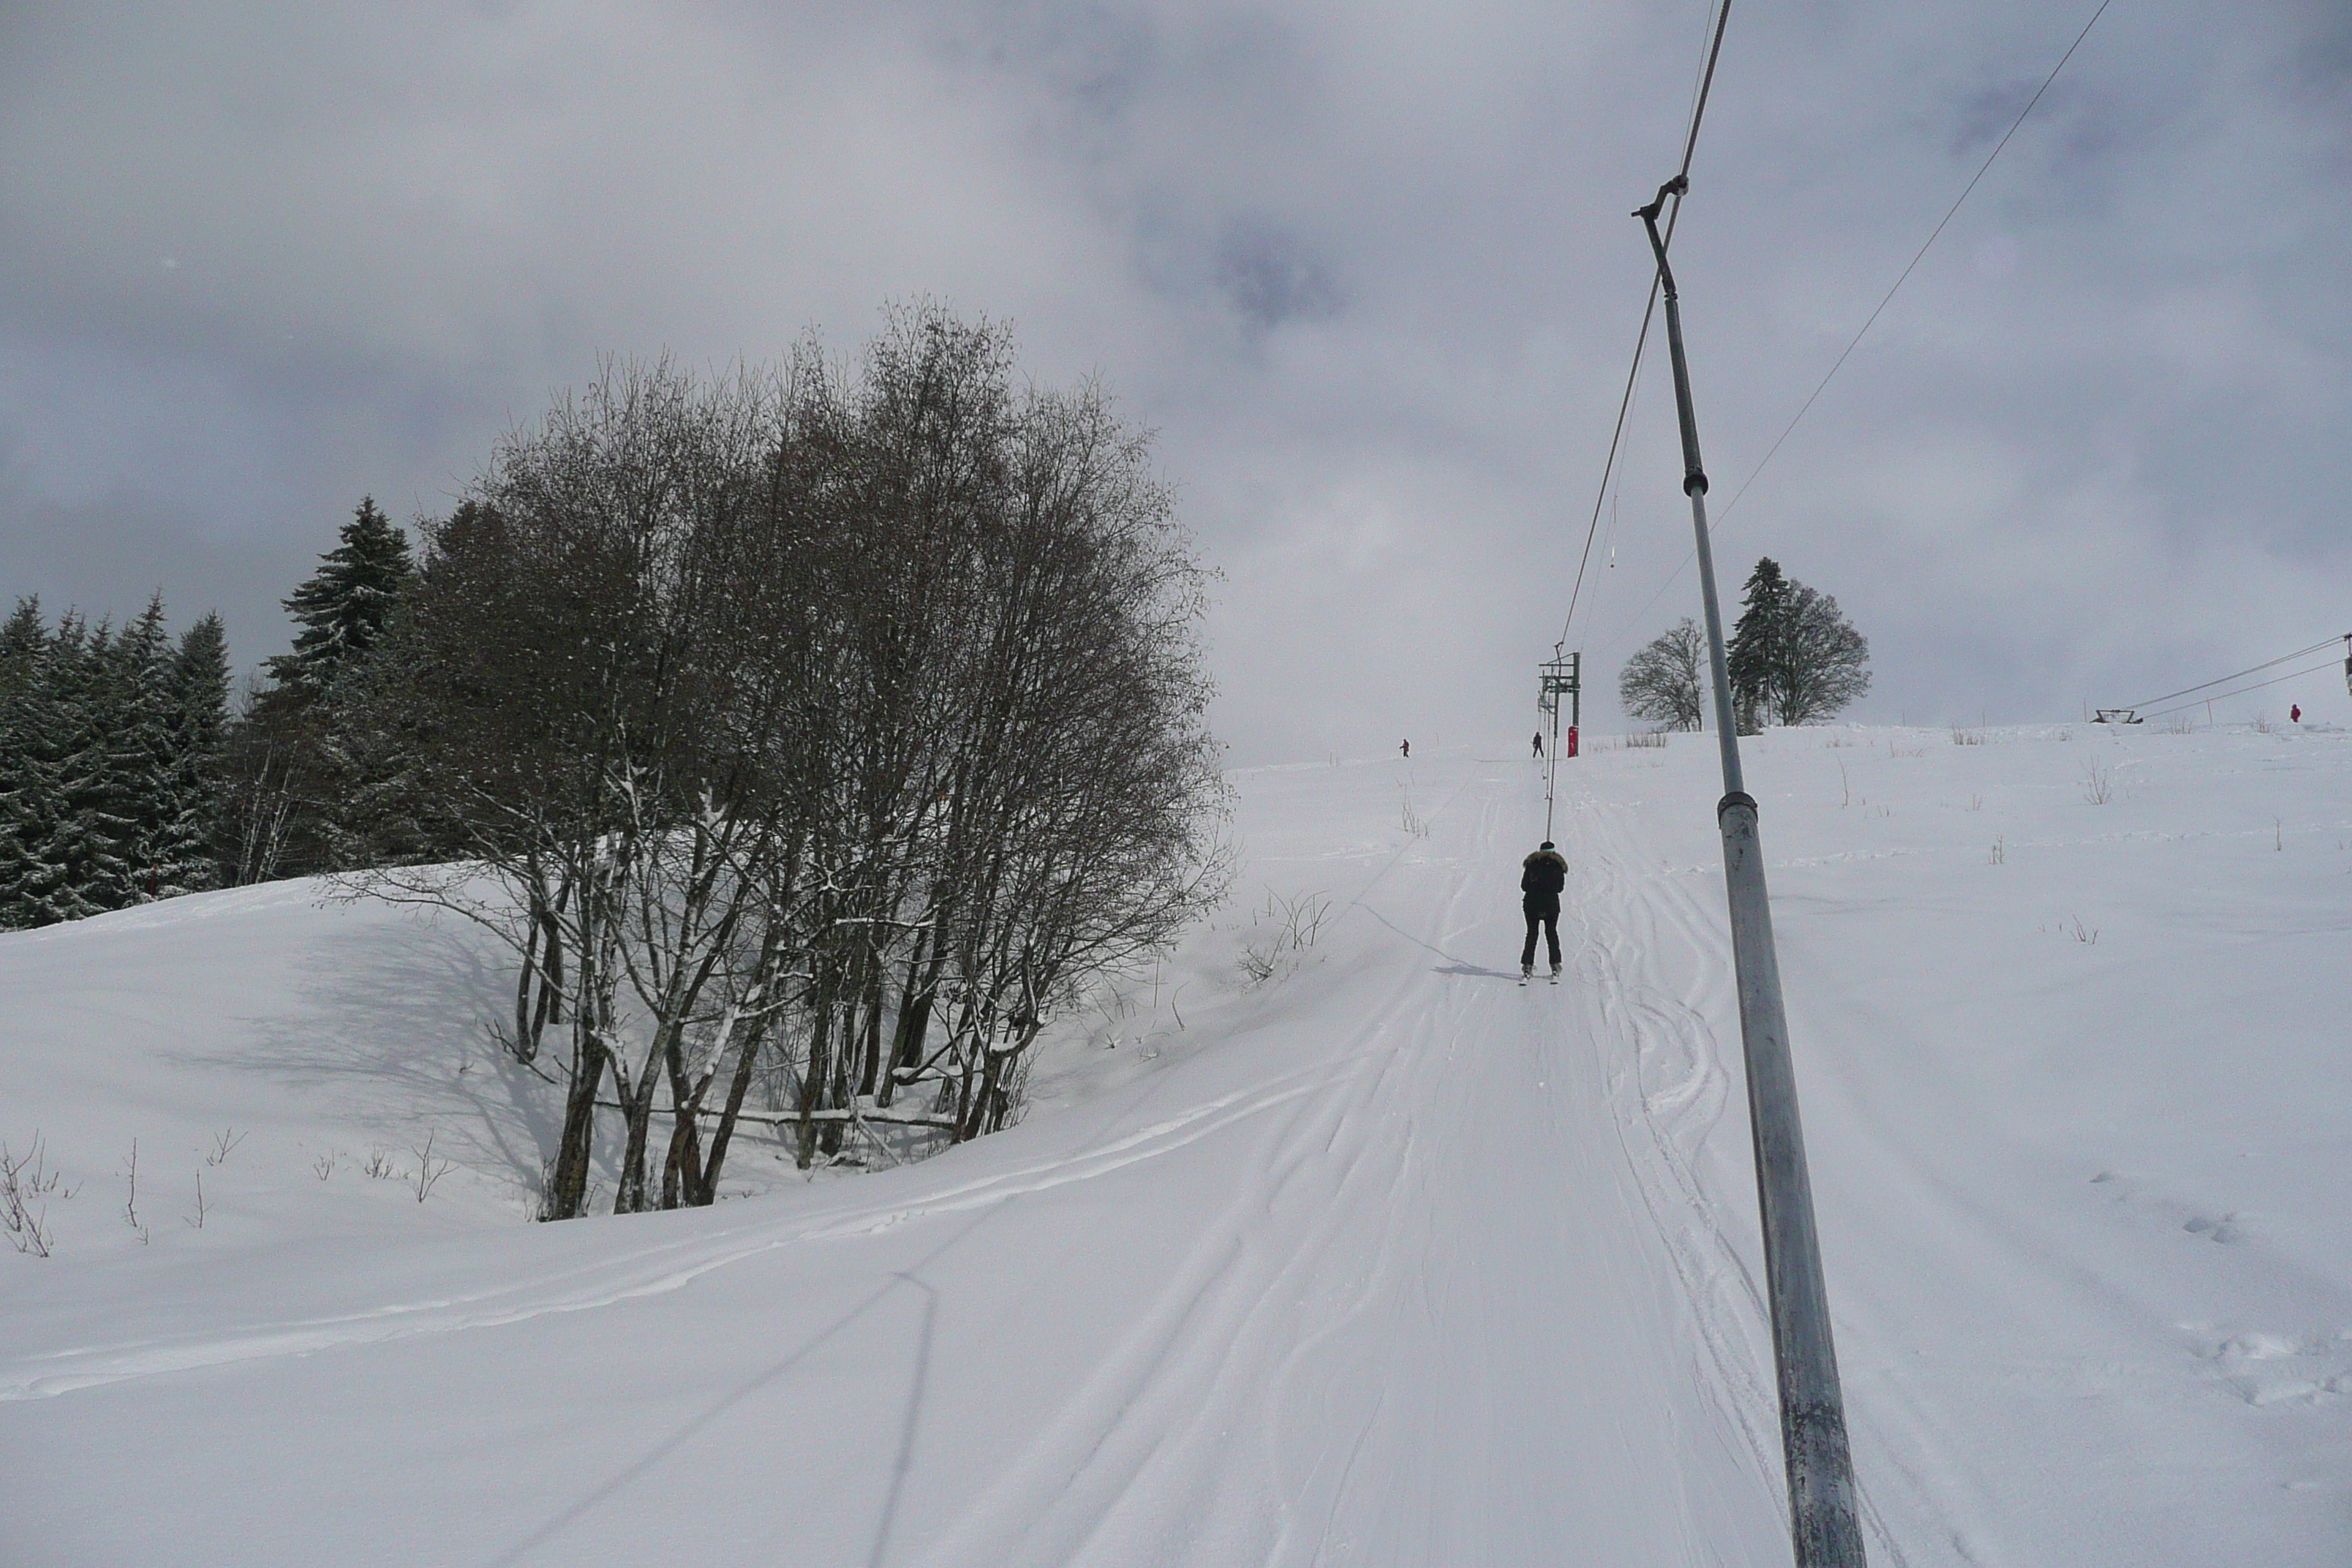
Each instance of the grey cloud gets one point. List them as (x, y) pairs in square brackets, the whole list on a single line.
[(1271, 279), (1987, 113), (1367, 271)]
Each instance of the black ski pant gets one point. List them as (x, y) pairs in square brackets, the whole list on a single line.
[(1544, 915)]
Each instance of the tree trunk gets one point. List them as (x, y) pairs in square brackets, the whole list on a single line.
[(870, 1043), (637, 1118), (968, 1070), (812, 1079), (725, 1132), (551, 987), (526, 1030), (682, 1167), (567, 1192), (974, 1120), (682, 1171), (914, 1020), (828, 1134)]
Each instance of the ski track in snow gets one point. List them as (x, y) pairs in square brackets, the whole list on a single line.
[(605, 1283), (1406, 1264), (1409, 1313), (1671, 1088), (1144, 1452)]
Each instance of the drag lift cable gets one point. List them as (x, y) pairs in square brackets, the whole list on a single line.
[(2257, 669), (1853, 342), (2240, 691), (1649, 312)]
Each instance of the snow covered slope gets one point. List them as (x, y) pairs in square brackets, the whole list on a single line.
[(1381, 1259)]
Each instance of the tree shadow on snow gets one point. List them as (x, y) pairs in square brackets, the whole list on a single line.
[(645, 1464), (391, 1028)]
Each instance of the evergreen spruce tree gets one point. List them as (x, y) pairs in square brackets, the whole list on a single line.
[(343, 607), (1758, 646), (386, 808), (142, 745), (24, 638), (283, 791), (1794, 657), (196, 682), (86, 860), (109, 770), (30, 749)]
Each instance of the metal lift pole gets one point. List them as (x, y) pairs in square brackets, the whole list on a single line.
[(1576, 703), (1551, 747), (1563, 674), (1822, 1521)]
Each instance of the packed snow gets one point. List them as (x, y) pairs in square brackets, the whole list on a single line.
[(1327, 1243)]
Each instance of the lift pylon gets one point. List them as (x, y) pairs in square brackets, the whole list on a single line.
[(1560, 675)]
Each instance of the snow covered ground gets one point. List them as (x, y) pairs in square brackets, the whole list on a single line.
[(1381, 1259)]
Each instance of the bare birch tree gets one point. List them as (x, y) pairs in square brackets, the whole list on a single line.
[(1664, 682), (812, 727)]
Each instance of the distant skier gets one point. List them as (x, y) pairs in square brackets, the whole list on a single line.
[(1405, 747), (1542, 875), (2294, 714), (1538, 742)]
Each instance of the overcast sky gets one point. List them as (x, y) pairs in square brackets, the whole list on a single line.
[(1367, 268)]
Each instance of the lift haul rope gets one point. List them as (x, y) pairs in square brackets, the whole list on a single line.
[(1855, 341), (2224, 696), (2257, 669), (1649, 312), (1917, 257)]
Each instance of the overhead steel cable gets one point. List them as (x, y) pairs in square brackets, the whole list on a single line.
[(1706, 82), (1609, 466), (1864, 331), (2329, 663), (1920, 254), (2255, 669), (1649, 312)]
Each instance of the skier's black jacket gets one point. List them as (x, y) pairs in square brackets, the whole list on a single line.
[(1541, 876)]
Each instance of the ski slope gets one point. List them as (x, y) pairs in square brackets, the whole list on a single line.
[(1383, 1260)]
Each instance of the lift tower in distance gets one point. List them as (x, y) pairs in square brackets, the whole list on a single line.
[(1561, 675)]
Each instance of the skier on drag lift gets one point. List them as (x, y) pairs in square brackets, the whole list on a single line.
[(1538, 742), (1542, 875)]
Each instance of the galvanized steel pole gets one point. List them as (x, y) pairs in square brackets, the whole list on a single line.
[(1822, 1521), (1551, 757)]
